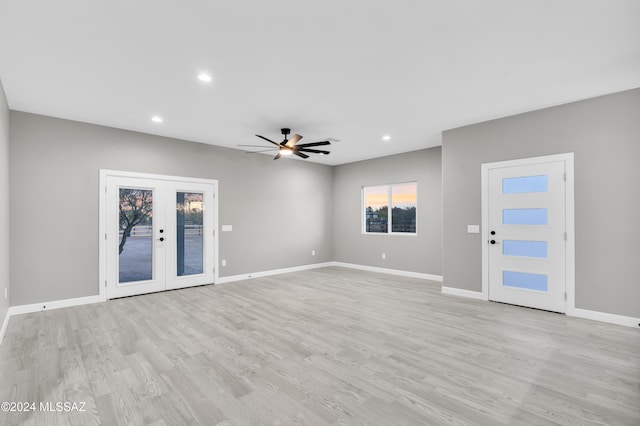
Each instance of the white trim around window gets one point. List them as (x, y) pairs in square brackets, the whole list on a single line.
[(389, 205)]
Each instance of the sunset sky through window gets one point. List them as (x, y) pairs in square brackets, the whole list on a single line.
[(402, 196), (376, 197)]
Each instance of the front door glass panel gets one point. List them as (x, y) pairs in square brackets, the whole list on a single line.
[(525, 217), (525, 184), (536, 249), (524, 280)]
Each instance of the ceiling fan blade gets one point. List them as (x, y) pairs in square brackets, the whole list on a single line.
[(294, 140), (314, 151), (258, 146), (277, 156), (299, 154), (306, 145), (263, 150), (268, 140)]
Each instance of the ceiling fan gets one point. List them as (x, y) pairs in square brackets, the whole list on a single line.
[(290, 146)]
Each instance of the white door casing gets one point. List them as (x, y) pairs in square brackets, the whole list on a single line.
[(162, 230), (528, 241)]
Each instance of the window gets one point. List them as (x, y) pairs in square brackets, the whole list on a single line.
[(401, 219), (376, 210)]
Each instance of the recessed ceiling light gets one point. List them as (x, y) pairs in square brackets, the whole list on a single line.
[(204, 77), (156, 119), (386, 138)]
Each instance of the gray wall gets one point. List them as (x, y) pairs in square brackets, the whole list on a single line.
[(604, 134), (421, 253), (4, 203), (280, 210)]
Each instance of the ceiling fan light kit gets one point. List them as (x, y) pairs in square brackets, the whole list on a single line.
[(291, 146)]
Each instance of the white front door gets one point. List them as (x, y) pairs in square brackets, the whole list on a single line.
[(526, 233), (159, 234)]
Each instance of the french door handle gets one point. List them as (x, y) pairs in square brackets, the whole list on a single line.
[(161, 238), (494, 242)]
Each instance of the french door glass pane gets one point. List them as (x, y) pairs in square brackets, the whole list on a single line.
[(189, 249), (135, 246)]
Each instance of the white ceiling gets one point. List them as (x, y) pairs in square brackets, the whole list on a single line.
[(353, 70)]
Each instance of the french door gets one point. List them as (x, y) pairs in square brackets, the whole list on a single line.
[(526, 233), (159, 233)]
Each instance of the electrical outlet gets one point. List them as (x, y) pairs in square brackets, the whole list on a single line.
[(223, 262), (313, 252), (384, 256)]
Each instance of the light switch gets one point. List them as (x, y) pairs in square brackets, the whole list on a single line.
[(473, 229), (227, 228)]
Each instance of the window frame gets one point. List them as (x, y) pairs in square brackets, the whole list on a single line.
[(363, 215)]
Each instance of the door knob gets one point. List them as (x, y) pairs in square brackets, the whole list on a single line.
[(494, 242), (161, 231), (492, 232), (161, 238)]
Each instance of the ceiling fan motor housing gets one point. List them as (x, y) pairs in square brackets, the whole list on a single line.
[(285, 131)]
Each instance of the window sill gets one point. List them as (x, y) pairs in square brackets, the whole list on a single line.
[(402, 234)]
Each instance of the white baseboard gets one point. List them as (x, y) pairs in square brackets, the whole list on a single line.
[(57, 304), (5, 324), (464, 293), (390, 271), (579, 313), (575, 312), (45, 306), (241, 277), (604, 317)]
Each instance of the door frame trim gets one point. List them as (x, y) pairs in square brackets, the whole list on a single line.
[(102, 227), (570, 253)]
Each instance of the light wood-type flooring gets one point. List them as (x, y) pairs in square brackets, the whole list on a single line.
[(329, 346)]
